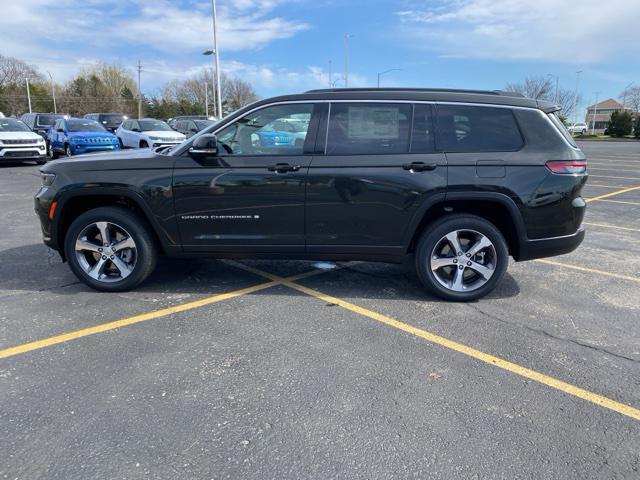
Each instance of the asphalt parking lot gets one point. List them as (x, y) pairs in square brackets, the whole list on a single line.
[(217, 369)]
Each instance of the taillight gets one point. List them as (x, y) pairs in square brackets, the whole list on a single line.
[(567, 167)]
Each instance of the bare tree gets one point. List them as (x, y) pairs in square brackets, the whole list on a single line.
[(631, 98), (13, 72), (543, 88), (239, 93)]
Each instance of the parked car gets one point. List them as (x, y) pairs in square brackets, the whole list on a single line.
[(74, 136), (1, 115), (110, 121), (147, 133), (173, 121), (18, 142), (456, 180), (578, 128), (190, 127), (41, 122)]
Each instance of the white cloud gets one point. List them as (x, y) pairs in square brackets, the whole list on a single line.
[(582, 31)]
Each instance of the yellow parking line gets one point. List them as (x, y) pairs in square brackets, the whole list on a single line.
[(611, 194), (104, 327), (589, 270), (514, 368), (603, 186), (615, 227)]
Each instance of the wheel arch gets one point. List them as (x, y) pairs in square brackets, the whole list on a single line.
[(497, 208)]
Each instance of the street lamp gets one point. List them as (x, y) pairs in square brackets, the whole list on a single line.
[(347, 36), (28, 94), (575, 98), (216, 52), (555, 97), (53, 93), (213, 82), (387, 71)]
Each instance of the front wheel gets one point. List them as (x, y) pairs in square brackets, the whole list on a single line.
[(67, 150), (110, 249), (461, 257)]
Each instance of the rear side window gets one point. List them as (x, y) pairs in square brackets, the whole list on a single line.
[(463, 128), (368, 128)]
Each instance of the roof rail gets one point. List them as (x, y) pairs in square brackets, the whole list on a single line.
[(432, 90)]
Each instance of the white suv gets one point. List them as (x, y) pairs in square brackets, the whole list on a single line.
[(578, 128), (18, 142), (147, 133)]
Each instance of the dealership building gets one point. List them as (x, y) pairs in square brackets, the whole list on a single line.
[(601, 113)]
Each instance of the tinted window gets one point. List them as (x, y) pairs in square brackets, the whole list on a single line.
[(48, 120), (422, 136), (256, 134), (477, 129), (368, 128), (560, 126), (154, 126)]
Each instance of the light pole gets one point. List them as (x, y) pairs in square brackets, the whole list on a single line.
[(28, 94), (217, 53), (206, 99), (213, 83), (347, 36), (330, 72), (387, 71), (555, 97), (575, 98), (595, 112), (139, 92), (53, 93)]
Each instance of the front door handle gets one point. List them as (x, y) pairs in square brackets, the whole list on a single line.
[(283, 168), (419, 166)]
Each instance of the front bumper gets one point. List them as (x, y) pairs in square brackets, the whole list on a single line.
[(88, 148), (550, 247), (36, 152)]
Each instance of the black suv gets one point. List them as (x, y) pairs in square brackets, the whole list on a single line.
[(110, 121), (458, 179)]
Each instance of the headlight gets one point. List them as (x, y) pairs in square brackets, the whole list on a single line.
[(154, 138), (40, 140), (47, 178)]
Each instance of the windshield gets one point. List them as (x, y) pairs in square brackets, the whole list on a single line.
[(200, 124), (112, 119), (11, 125), (48, 120), (84, 126), (154, 126)]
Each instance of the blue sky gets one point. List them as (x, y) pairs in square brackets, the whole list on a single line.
[(283, 46)]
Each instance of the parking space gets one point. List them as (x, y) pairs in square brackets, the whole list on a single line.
[(260, 369)]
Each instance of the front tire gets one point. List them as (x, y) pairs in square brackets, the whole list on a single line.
[(461, 258), (67, 150), (110, 249)]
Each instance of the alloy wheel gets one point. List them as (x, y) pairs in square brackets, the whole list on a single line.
[(106, 252), (463, 260)]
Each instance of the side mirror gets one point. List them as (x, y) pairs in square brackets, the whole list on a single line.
[(204, 146), (135, 130)]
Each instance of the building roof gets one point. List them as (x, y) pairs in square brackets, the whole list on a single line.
[(609, 104)]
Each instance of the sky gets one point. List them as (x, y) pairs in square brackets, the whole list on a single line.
[(287, 46)]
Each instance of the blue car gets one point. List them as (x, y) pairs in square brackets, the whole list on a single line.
[(74, 136)]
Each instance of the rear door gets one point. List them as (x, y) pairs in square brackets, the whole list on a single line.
[(378, 170), (251, 195)]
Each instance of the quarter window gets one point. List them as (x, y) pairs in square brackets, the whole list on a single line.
[(464, 128), (275, 130), (368, 128)]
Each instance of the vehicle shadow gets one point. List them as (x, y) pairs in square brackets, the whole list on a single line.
[(37, 268)]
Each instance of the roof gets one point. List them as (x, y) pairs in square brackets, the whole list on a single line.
[(609, 103), (496, 97)]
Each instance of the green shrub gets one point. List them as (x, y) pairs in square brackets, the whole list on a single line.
[(636, 127), (620, 124)]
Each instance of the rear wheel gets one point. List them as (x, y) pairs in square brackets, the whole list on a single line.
[(121, 144), (110, 249), (461, 257)]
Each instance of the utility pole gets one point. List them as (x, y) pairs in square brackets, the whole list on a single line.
[(575, 98), (206, 98), (217, 53), (347, 36), (330, 73), (139, 92), (53, 93), (595, 112), (28, 94)]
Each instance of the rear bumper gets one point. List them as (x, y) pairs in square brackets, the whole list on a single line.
[(550, 247)]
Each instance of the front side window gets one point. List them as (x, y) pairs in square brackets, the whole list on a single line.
[(275, 130), (464, 128), (368, 128)]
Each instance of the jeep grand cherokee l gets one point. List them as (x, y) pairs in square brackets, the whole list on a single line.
[(460, 180)]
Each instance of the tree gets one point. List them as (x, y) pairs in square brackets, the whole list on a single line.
[(620, 124), (13, 86), (631, 98), (543, 88)]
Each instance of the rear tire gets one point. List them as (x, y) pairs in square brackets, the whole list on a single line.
[(110, 249), (475, 272), (121, 144)]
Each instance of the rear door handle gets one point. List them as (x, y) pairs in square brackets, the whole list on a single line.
[(419, 166), (283, 168)]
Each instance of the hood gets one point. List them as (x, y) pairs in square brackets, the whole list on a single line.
[(165, 134), (91, 135), (139, 158), (19, 136)]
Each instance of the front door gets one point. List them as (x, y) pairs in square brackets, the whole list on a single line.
[(252, 193), (378, 172)]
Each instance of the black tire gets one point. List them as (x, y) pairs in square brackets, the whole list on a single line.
[(146, 250), (144, 144), (431, 238), (67, 150), (121, 144), (52, 153)]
